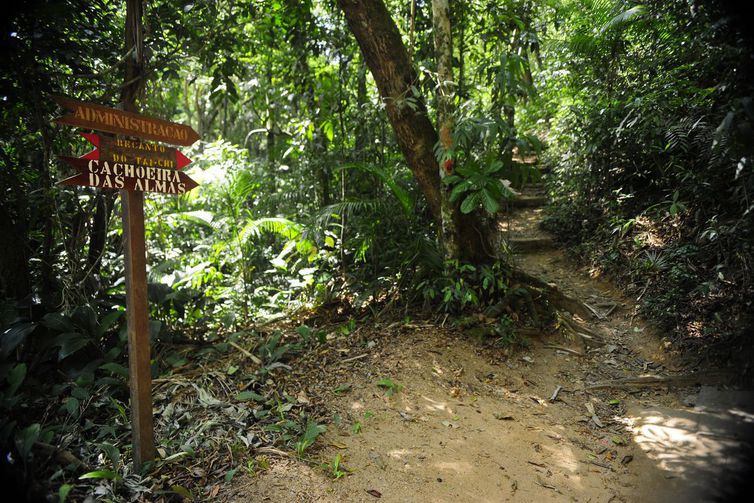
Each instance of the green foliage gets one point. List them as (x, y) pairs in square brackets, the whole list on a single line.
[(653, 153), (305, 199), (334, 469), (477, 186), (463, 286), (506, 335), (311, 432), (391, 387)]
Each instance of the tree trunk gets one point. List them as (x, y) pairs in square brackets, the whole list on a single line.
[(444, 58), (98, 233), (387, 59), (15, 277), (362, 137)]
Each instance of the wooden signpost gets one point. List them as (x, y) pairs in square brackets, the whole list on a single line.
[(133, 166), (112, 120), (121, 175)]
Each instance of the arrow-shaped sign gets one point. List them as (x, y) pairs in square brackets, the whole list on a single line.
[(135, 152), (112, 120), (118, 175)]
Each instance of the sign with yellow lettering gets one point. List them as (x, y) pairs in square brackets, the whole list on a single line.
[(127, 176), (135, 152), (112, 120)]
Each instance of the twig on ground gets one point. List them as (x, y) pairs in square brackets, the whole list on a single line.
[(563, 348), (353, 358), (596, 313), (246, 352), (555, 393)]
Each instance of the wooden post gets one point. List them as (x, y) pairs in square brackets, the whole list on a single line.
[(138, 327), (137, 314), (151, 170)]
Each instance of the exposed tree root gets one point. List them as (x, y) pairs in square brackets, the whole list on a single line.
[(554, 296), (545, 303), (654, 380), (585, 335)]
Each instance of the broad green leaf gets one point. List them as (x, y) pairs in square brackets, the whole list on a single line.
[(58, 322), (245, 396), (470, 203), (69, 343), (80, 393), (13, 336), (229, 474), (71, 405), (115, 368), (182, 492), (26, 438), (63, 492), (489, 202), (15, 377), (113, 454), (108, 321), (459, 190), (101, 474)]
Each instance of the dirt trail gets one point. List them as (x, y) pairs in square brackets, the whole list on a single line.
[(472, 423)]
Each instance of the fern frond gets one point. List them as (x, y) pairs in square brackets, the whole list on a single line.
[(347, 209), (622, 19), (401, 194), (283, 227)]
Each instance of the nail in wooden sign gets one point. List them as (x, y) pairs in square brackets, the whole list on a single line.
[(120, 175), (135, 152), (112, 120)]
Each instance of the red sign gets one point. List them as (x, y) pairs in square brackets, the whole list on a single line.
[(135, 152), (120, 175), (112, 120)]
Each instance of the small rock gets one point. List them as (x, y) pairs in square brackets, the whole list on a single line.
[(377, 459)]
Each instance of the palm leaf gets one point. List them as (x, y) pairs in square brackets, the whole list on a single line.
[(283, 227), (401, 194), (623, 18)]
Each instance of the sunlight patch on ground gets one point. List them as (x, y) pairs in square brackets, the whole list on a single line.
[(400, 454), (563, 457), (435, 405), (705, 447), (674, 442), (460, 467)]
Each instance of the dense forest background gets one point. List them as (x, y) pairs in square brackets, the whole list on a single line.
[(643, 112)]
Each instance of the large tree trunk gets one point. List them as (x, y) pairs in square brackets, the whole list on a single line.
[(388, 60), (393, 71)]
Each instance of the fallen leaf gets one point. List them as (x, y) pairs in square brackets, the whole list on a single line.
[(374, 492), (596, 420), (338, 445)]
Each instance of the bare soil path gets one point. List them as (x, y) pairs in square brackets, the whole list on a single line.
[(555, 422)]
